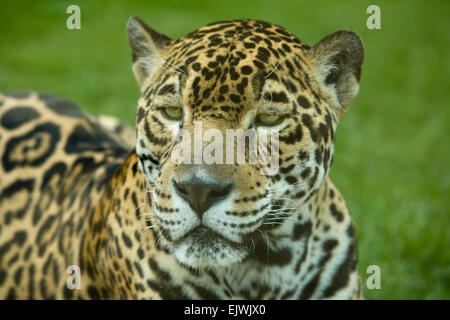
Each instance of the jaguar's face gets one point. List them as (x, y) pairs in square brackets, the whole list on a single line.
[(215, 197)]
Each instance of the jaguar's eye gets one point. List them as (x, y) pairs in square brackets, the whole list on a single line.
[(269, 119), (172, 113)]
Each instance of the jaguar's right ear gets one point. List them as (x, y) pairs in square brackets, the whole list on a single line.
[(338, 58), (148, 47)]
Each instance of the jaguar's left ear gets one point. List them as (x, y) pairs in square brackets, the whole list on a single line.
[(338, 58)]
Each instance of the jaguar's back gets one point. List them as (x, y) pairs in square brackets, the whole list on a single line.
[(55, 162)]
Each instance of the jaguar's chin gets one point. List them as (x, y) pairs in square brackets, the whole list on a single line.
[(205, 248)]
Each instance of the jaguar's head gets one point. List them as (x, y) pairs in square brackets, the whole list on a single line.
[(235, 131)]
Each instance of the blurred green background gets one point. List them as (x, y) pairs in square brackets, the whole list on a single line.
[(392, 153)]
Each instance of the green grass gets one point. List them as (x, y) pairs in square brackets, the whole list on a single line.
[(392, 153)]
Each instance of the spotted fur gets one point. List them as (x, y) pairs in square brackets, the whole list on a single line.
[(73, 191)]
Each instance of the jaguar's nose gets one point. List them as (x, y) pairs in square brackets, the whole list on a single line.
[(200, 195)]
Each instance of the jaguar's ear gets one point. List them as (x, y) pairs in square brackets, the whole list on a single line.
[(148, 47), (338, 58)]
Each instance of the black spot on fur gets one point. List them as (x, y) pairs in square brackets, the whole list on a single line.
[(310, 287), (342, 274), (18, 94), (93, 293), (271, 257), (127, 240), (18, 116), (246, 70), (140, 114), (10, 191), (279, 97), (30, 142), (303, 102), (307, 122), (61, 106), (301, 230), (336, 213), (3, 276), (91, 139), (293, 137)]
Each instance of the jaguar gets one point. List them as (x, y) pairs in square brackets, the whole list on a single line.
[(91, 208)]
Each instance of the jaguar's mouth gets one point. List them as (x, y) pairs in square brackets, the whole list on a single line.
[(203, 247), (205, 236)]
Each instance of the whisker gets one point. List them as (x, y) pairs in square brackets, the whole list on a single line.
[(140, 205), (267, 243), (283, 188), (281, 211), (273, 223), (178, 70), (145, 228), (284, 208), (273, 216), (281, 216), (146, 214), (292, 184), (289, 199), (281, 220), (272, 71)]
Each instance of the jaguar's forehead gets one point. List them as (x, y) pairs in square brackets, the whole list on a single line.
[(244, 34), (226, 66), (242, 47)]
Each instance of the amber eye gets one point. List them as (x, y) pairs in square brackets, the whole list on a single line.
[(269, 119), (173, 113)]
